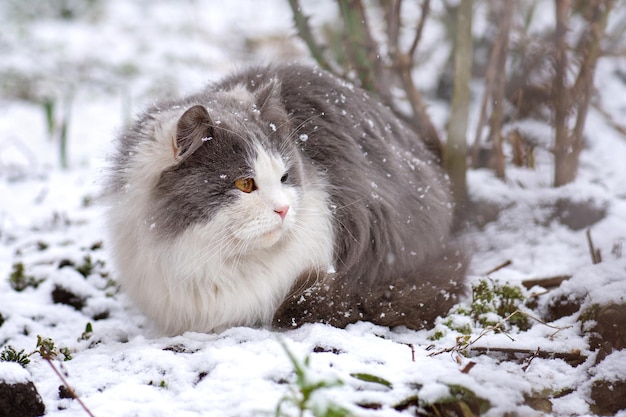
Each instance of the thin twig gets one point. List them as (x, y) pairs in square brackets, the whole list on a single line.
[(464, 343), (392, 17), (304, 30), (530, 359), (468, 367), (575, 358), (499, 267), (497, 116), (550, 282), (67, 385), (361, 47), (595, 253), (419, 29), (402, 65), (621, 128), (412, 347), (491, 82)]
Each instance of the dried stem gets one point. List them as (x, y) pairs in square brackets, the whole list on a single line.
[(610, 119), (402, 65), (363, 57), (499, 267), (567, 165), (464, 342), (361, 47), (392, 10), (419, 29), (495, 124), (569, 357), (304, 31), (69, 388), (494, 76), (550, 282), (596, 258)]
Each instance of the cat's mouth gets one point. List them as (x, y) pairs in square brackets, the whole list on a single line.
[(272, 236)]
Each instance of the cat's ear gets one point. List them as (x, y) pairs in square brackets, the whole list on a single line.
[(193, 126), (268, 101), (268, 94)]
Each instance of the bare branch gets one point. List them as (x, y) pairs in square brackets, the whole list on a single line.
[(550, 282), (596, 258), (568, 145), (572, 358), (392, 13), (499, 267), (69, 388), (495, 82), (419, 29), (502, 43), (304, 30), (361, 46)]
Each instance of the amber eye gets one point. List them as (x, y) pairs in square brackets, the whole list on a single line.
[(246, 185)]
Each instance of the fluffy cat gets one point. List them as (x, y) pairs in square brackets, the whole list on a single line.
[(281, 195)]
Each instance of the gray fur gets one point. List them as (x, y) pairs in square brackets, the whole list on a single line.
[(392, 211)]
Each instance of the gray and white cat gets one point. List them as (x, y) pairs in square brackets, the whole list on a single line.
[(281, 195)]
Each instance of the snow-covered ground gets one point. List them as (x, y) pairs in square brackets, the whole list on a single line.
[(108, 61)]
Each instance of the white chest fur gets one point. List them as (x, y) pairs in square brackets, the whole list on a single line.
[(196, 282), (207, 278)]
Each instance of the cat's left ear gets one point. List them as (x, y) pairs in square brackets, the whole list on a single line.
[(193, 126), (268, 101)]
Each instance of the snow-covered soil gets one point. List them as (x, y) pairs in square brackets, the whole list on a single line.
[(101, 67)]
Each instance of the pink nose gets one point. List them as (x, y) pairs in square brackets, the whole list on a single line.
[(282, 211)]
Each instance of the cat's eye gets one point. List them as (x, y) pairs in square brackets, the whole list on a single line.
[(246, 185), (284, 177)]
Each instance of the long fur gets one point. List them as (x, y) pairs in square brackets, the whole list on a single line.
[(366, 236)]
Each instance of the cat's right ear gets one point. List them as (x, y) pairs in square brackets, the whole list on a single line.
[(193, 127)]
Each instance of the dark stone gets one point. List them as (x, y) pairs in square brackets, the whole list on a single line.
[(563, 306), (610, 326), (201, 376), (319, 349), (20, 400), (578, 215), (102, 315), (538, 403), (608, 396), (480, 213), (371, 406), (66, 262), (62, 296), (178, 348), (65, 392)]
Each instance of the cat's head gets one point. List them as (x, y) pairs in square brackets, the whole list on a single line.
[(235, 171)]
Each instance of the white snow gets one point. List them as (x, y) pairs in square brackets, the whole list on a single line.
[(13, 373), (112, 61)]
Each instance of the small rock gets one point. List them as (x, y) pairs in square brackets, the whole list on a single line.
[(610, 326), (563, 306), (20, 400), (62, 296), (608, 396), (578, 215)]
